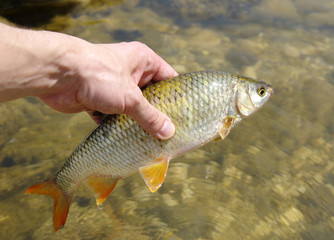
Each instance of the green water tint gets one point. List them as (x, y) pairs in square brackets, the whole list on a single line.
[(272, 178)]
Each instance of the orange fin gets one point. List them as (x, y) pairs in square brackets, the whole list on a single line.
[(102, 186), (218, 139), (227, 127), (62, 200), (154, 175)]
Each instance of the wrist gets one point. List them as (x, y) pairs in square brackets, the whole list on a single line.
[(34, 62)]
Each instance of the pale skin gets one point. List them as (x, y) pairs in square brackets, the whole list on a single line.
[(72, 75)]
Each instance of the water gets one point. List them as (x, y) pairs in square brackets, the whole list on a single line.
[(272, 178)]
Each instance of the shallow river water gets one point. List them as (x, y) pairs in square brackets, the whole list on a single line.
[(272, 178)]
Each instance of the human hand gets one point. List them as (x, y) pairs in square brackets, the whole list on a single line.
[(107, 78), (73, 75)]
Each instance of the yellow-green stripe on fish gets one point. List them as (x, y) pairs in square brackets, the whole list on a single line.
[(204, 106)]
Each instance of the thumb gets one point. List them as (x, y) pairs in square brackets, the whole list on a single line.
[(151, 119)]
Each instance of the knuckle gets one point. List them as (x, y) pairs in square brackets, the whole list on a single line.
[(138, 47), (132, 100), (142, 49), (154, 120), (139, 44)]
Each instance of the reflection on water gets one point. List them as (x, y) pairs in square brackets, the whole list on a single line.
[(272, 178)]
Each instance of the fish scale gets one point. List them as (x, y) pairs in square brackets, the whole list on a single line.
[(123, 134), (203, 106)]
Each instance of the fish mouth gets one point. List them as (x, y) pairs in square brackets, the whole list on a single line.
[(271, 90)]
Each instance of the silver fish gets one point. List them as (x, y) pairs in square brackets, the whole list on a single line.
[(203, 106)]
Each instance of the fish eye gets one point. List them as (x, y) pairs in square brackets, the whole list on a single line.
[(261, 91)]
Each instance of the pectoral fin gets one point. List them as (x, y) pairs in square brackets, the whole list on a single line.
[(154, 175), (218, 139), (227, 126)]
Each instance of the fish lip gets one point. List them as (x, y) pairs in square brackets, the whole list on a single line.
[(271, 90)]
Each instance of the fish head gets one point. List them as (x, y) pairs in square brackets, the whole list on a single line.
[(250, 96)]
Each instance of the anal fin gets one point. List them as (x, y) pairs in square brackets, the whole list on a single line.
[(154, 175), (102, 186)]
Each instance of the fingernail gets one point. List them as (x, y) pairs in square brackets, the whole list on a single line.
[(167, 130)]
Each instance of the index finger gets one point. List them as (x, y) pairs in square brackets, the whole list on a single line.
[(164, 70), (151, 67)]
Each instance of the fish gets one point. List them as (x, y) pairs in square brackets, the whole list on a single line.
[(204, 106)]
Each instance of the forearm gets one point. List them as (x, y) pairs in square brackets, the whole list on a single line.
[(31, 62)]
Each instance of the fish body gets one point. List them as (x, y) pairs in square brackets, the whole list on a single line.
[(203, 106)]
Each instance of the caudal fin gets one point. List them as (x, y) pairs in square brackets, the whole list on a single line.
[(62, 200)]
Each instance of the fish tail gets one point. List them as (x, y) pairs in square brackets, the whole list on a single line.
[(62, 199)]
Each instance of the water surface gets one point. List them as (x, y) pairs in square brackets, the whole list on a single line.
[(272, 178)]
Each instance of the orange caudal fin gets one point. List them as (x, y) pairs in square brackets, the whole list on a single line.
[(62, 200)]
